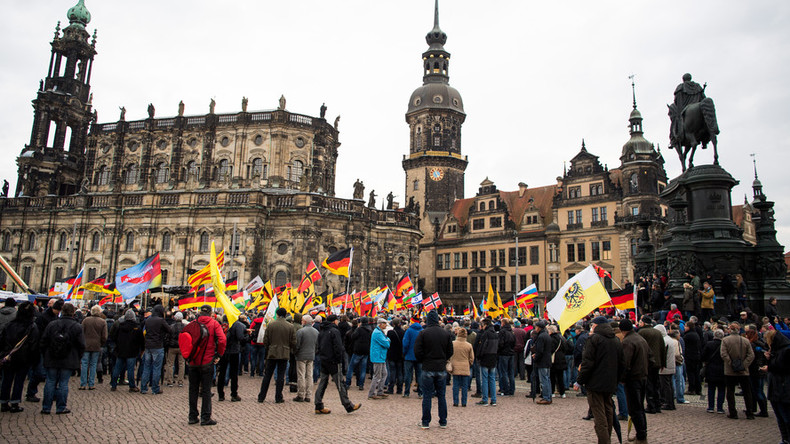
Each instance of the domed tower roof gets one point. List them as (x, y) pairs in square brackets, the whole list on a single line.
[(637, 145), (436, 92), (78, 15)]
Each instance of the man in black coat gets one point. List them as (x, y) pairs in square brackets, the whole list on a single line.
[(128, 337), (229, 362), (541, 360), (602, 367), (360, 348), (62, 345), (636, 354), (658, 360), (433, 347), (330, 350), (395, 358), (156, 331), (486, 346), (506, 353), (693, 357), (55, 305)]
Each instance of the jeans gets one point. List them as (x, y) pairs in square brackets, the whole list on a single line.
[(622, 400), (117, 371), (341, 388), (377, 386), (200, 384), (360, 364), (488, 383), (408, 366), (13, 383), (258, 358), (152, 369), (476, 376), (460, 383), (244, 357), (507, 375), (57, 388), (433, 384), (36, 375), (395, 376), (88, 368), (667, 391), (570, 372), (635, 399), (545, 383), (281, 364), (228, 371), (716, 391), (679, 382), (653, 387)]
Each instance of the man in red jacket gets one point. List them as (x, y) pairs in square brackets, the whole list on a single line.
[(201, 352)]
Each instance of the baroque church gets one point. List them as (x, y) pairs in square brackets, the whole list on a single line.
[(261, 184)]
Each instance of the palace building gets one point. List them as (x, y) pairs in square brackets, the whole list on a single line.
[(259, 183)]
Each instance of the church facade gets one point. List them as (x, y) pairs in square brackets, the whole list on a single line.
[(261, 184)]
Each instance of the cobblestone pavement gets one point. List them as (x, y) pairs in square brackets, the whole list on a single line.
[(106, 417)]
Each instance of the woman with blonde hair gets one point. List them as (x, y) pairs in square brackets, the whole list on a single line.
[(461, 363)]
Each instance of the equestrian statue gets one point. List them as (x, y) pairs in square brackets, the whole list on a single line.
[(693, 118)]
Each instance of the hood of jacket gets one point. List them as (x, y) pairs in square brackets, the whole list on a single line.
[(416, 326), (604, 329), (662, 329), (433, 318)]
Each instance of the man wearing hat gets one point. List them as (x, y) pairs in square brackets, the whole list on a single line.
[(330, 352), (602, 367), (379, 344), (433, 347), (541, 360), (636, 353)]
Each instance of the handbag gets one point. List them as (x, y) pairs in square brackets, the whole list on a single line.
[(5, 359), (449, 366), (737, 364)]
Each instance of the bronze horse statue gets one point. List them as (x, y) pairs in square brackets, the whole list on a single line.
[(693, 125)]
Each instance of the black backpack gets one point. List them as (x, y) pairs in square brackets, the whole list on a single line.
[(60, 345)]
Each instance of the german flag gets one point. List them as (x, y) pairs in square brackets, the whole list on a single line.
[(339, 262), (622, 300), (404, 287), (232, 286), (203, 276), (190, 300), (311, 276), (96, 285)]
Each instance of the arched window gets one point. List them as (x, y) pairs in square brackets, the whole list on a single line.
[(162, 172), (491, 205), (416, 185), (31, 242), (634, 183), (297, 170), (482, 206), (224, 169), (257, 167), (193, 170), (131, 174), (204, 247), (62, 241), (95, 240), (166, 241), (280, 279), (6, 242), (130, 241), (103, 177)]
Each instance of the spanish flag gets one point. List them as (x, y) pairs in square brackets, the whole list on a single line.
[(339, 262), (582, 294)]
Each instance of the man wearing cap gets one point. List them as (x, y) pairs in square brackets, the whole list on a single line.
[(306, 339), (330, 352), (541, 360), (658, 360), (379, 344), (278, 340), (433, 347), (636, 353), (602, 366)]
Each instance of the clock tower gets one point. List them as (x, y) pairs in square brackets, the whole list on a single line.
[(434, 166)]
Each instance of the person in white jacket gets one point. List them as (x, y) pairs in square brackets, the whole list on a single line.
[(666, 374)]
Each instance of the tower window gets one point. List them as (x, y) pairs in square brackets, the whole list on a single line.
[(297, 171), (204, 242), (257, 167), (416, 185), (130, 241), (95, 241), (62, 242), (103, 176), (437, 141), (31, 242), (162, 172), (131, 174), (166, 237)]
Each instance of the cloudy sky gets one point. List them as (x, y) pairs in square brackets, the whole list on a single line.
[(536, 77)]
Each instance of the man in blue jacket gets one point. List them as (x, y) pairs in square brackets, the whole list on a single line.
[(409, 361), (379, 344)]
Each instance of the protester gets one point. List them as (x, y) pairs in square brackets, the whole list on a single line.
[(229, 362), (330, 349), (757, 377), (714, 372), (667, 372), (602, 367), (156, 331), (379, 344), (173, 352), (486, 352), (559, 347), (521, 341), (461, 364), (202, 342), (433, 347), (706, 303), (395, 358), (38, 373), (410, 364), (19, 345), (258, 350), (737, 354), (62, 345), (541, 360), (778, 369), (360, 347), (94, 328), (658, 359), (506, 359), (8, 312), (279, 340), (581, 338), (636, 356), (304, 354)]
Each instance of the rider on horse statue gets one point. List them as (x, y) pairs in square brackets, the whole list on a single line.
[(693, 119)]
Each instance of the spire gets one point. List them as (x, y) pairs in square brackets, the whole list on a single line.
[(436, 36), (584, 147), (436, 60), (633, 89)]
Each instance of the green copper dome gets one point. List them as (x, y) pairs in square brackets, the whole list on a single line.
[(79, 15)]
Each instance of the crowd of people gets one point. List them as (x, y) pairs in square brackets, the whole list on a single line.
[(647, 366)]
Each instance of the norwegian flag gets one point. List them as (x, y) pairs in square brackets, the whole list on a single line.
[(433, 302)]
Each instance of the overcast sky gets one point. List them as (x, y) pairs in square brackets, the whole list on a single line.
[(536, 77)]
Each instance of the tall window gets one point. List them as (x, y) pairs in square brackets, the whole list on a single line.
[(162, 172), (594, 215), (103, 177), (6, 241), (495, 222), (478, 224), (571, 253), (297, 170), (554, 253), (580, 252), (473, 284), (131, 174), (456, 260), (193, 170), (224, 169), (31, 242), (62, 241), (536, 280), (26, 271), (280, 278), (257, 167), (58, 274), (482, 259), (493, 258), (464, 262), (166, 241), (440, 262), (603, 213), (554, 281), (534, 255), (502, 262), (579, 217), (95, 241), (204, 247), (474, 259), (595, 250), (164, 277), (235, 242), (633, 246), (130, 241), (91, 274), (570, 217), (607, 250), (416, 185)]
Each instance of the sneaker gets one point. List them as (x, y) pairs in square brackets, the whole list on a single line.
[(562, 396), (210, 422), (193, 421), (442, 426), (493, 404), (298, 399), (32, 398), (481, 403), (305, 399), (323, 411), (710, 411), (361, 388), (684, 402), (235, 399), (423, 426), (180, 384), (354, 408), (721, 412), (405, 395)]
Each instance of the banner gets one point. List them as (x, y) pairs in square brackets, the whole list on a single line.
[(134, 280)]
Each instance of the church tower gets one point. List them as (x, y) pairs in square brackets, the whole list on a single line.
[(53, 162), (434, 167)]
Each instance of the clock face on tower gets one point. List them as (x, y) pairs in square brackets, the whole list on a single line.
[(436, 174)]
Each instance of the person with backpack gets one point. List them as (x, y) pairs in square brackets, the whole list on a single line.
[(258, 351), (128, 338), (173, 352), (62, 345), (330, 348), (19, 349), (202, 342)]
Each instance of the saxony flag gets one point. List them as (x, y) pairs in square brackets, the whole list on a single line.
[(582, 294)]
